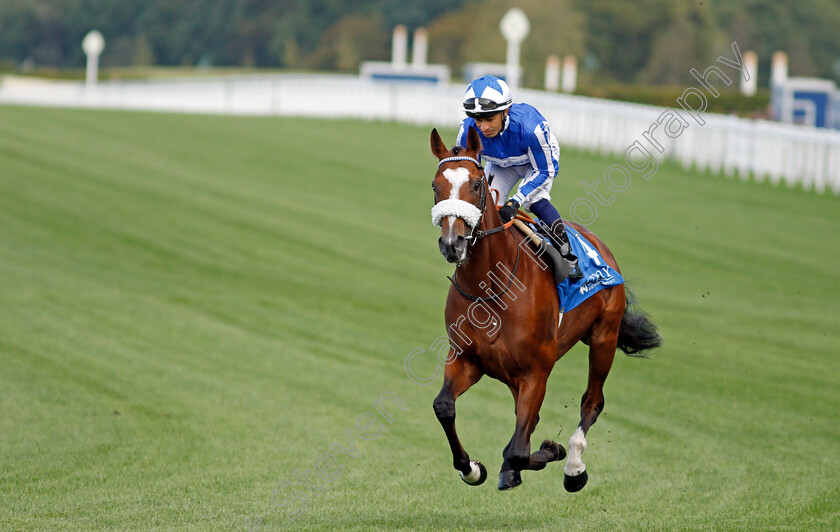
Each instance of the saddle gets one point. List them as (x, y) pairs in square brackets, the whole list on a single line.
[(547, 248)]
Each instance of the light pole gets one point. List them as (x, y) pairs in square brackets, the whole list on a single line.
[(92, 44), (515, 28)]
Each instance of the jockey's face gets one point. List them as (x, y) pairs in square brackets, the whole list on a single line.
[(490, 127)]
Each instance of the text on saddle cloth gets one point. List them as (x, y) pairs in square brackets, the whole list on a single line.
[(597, 274)]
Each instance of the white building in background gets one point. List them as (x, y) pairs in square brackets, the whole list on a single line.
[(399, 69), (807, 101)]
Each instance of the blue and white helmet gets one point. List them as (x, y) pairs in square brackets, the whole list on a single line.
[(486, 96)]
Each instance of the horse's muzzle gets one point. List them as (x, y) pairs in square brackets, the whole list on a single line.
[(453, 248)]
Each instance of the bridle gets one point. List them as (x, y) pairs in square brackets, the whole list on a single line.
[(475, 233)]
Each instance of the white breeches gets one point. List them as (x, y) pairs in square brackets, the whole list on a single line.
[(506, 178)]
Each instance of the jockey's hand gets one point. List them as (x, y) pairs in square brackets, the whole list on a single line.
[(509, 210)]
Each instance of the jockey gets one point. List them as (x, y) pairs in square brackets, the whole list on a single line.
[(517, 145)]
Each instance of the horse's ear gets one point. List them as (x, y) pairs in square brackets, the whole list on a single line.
[(438, 147), (473, 141)]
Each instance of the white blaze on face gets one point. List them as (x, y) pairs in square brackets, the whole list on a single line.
[(577, 444), (457, 177)]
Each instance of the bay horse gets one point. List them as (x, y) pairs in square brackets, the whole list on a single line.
[(519, 338)]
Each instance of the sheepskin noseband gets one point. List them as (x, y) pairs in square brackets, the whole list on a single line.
[(458, 208)]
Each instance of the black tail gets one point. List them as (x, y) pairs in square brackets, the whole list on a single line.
[(637, 333)]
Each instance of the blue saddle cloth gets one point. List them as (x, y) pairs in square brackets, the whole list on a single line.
[(597, 274)]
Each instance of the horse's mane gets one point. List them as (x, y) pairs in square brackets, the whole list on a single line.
[(457, 149)]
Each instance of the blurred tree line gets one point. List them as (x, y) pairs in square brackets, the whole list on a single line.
[(643, 41)]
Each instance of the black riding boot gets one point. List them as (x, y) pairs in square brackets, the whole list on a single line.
[(561, 240), (553, 224)]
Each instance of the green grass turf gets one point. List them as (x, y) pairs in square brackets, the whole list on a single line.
[(194, 309)]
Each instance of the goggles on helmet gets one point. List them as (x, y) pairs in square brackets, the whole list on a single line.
[(484, 116), (483, 105)]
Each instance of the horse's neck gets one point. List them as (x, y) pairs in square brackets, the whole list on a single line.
[(484, 258)]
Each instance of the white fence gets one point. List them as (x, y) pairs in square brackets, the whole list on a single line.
[(764, 150)]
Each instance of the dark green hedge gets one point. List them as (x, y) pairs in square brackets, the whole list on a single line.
[(729, 101)]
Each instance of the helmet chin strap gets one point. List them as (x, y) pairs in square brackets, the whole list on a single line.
[(505, 123)]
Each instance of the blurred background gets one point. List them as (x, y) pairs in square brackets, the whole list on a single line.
[(629, 51), (216, 254), (385, 60)]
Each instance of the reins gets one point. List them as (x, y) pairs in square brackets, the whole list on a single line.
[(494, 296), (482, 234)]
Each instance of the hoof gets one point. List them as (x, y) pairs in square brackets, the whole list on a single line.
[(554, 450), (573, 484), (477, 474), (509, 479)]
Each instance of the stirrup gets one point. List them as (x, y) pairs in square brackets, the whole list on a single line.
[(555, 240), (575, 274)]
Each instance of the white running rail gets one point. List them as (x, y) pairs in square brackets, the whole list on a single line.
[(761, 149)]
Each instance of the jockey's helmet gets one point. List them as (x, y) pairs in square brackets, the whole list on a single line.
[(486, 96)]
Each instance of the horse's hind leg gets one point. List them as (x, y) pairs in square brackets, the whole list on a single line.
[(457, 379), (601, 354)]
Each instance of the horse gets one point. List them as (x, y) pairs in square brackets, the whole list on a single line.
[(518, 340)]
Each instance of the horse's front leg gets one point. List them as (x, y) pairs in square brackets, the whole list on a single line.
[(517, 455), (457, 379), (550, 451)]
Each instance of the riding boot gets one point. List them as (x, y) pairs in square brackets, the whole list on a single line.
[(559, 231), (549, 216)]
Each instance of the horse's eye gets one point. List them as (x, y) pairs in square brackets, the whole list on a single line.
[(477, 184)]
